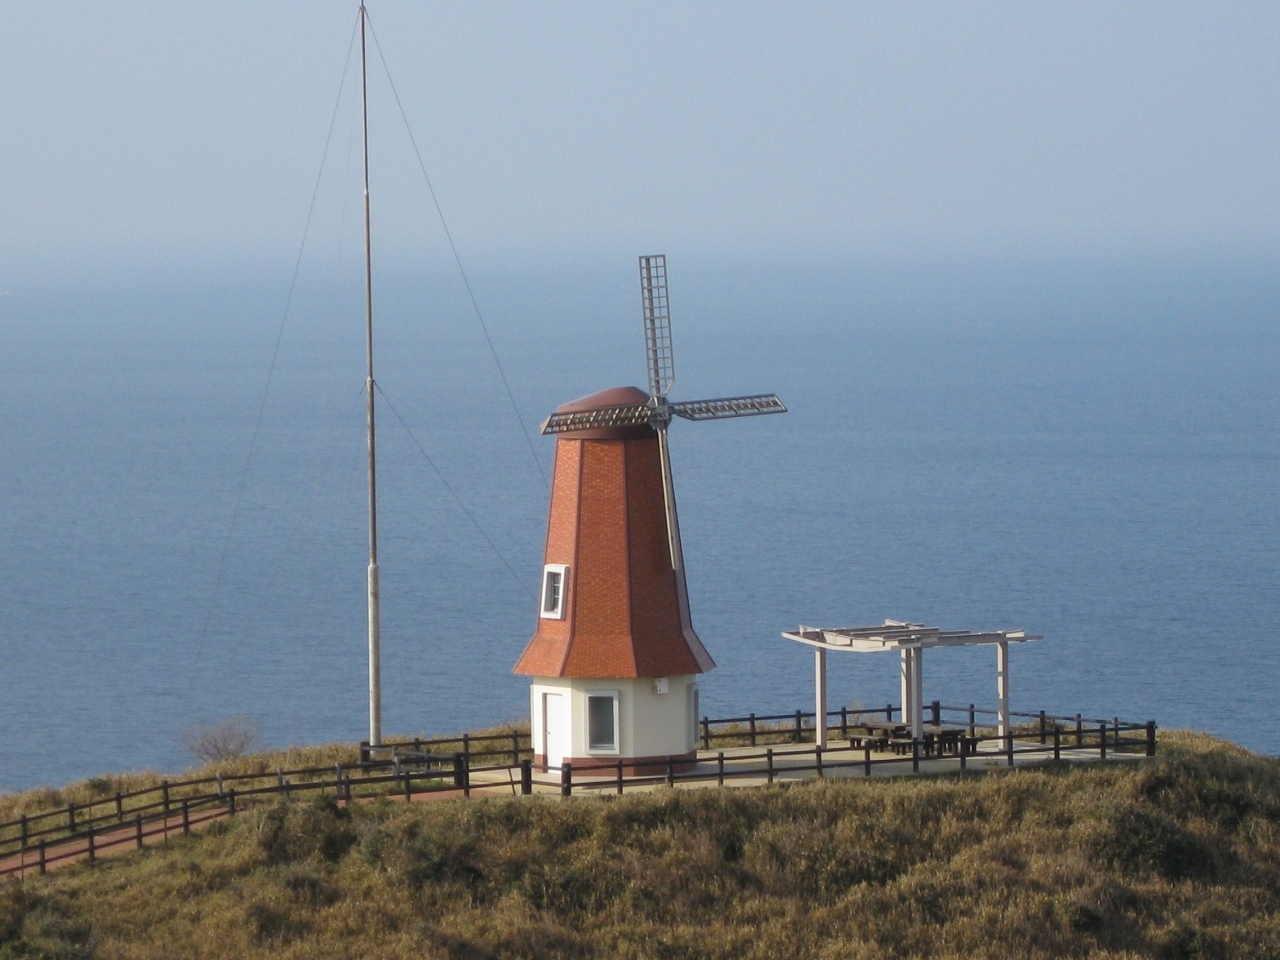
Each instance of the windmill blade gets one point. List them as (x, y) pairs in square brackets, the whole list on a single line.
[(753, 406), (625, 415), (657, 324)]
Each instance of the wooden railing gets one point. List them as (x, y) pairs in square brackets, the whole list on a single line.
[(856, 754), (412, 767)]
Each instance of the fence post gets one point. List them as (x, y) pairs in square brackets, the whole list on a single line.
[(706, 733), (963, 752), (844, 723), (231, 796), (1043, 729), (799, 727), (22, 823), (720, 769), (71, 817), (466, 747), (888, 712), (526, 777), (619, 776), (466, 776), (337, 781), (566, 780), (752, 719), (1008, 746), (935, 708), (972, 719), (915, 754), (1057, 749), (43, 868), (866, 758), (93, 854), (186, 818), (458, 760), (768, 755), (515, 749), (408, 787), (817, 756), (1079, 731), (119, 807), (137, 830), (671, 773), (1151, 738), (164, 787), (1102, 741)]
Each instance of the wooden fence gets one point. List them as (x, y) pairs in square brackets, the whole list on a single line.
[(412, 767)]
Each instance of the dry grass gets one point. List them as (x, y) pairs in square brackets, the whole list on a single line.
[(1175, 858)]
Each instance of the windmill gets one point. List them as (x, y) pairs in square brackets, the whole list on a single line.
[(658, 412), (614, 659)]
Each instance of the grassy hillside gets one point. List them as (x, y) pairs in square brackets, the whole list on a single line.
[(1175, 858)]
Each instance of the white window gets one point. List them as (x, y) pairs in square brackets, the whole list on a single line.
[(555, 577), (602, 722)]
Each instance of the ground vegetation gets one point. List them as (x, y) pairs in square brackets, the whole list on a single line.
[(1173, 858)]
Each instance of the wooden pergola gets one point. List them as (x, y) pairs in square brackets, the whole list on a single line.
[(910, 640)]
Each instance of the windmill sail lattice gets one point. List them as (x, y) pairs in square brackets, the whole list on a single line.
[(657, 324), (661, 361)]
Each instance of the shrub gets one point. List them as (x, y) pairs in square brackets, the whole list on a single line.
[(1137, 839), (228, 739), (319, 829)]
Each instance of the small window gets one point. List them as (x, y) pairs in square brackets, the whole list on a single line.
[(554, 578), (602, 722)]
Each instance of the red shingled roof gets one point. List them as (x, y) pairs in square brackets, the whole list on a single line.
[(608, 524)]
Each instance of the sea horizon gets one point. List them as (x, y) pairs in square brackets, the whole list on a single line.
[(1081, 447)]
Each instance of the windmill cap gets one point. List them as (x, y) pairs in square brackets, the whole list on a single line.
[(613, 397)]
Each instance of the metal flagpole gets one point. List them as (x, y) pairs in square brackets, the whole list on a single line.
[(375, 665)]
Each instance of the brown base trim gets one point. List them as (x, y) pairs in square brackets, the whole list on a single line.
[(599, 767)]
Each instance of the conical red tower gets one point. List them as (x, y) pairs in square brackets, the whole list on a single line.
[(615, 660), (615, 654), (623, 610)]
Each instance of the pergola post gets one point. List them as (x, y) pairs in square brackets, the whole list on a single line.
[(908, 685), (1002, 685), (820, 697), (917, 691)]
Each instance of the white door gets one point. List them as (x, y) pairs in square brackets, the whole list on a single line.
[(555, 728)]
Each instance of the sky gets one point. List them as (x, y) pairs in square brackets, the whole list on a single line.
[(197, 129)]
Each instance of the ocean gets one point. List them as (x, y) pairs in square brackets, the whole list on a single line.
[(1082, 447)]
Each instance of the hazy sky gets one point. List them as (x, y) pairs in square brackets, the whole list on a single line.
[(198, 128)]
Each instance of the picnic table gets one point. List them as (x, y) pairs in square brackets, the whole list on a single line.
[(896, 736), (944, 739), (880, 733)]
